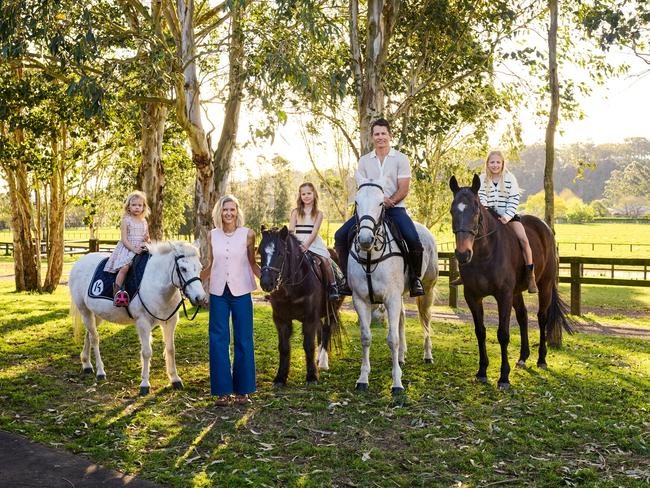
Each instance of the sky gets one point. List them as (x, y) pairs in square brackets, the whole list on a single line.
[(613, 112)]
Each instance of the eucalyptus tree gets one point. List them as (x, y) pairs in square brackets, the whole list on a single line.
[(427, 65)]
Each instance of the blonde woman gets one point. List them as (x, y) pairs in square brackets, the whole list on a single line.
[(231, 270)]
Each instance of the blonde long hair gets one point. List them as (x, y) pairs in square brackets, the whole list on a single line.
[(218, 208), (488, 175), (146, 211), (301, 206)]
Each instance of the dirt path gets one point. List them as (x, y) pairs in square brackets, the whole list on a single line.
[(492, 320)]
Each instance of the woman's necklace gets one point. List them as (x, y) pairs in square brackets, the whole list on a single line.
[(230, 234)]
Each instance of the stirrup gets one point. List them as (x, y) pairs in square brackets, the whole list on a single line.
[(416, 289), (121, 298)]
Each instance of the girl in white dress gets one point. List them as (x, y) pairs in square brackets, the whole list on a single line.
[(134, 237), (305, 222)]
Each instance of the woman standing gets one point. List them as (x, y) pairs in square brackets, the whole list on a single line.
[(231, 269)]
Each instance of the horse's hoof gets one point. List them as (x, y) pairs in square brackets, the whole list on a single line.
[(401, 363), (279, 384), (144, 390), (101, 377), (428, 361), (542, 366), (521, 364), (481, 379), (88, 370), (177, 385), (503, 386), (312, 382), (396, 390), (361, 387)]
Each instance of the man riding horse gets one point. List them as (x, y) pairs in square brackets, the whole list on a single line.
[(394, 167)]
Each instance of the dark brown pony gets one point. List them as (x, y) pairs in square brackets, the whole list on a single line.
[(297, 293), (491, 262)]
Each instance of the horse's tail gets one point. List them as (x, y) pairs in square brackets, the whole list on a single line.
[(78, 327), (557, 319), (333, 322)]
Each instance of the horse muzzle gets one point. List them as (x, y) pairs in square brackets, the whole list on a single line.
[(267, 283), (366, 238), (464, 257)]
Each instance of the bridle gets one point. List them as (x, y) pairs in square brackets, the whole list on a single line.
[(182, 286), (279, 268), (376, 224), (477, 228)]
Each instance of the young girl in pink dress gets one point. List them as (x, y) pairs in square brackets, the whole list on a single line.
[(134, 237)]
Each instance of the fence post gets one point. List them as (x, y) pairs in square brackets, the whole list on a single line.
[(453, 274), (575, 288), (93, 245)]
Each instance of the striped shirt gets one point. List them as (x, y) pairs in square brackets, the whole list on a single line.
[(504, 202)]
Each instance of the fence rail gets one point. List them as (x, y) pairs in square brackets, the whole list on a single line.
[(581, 270), (575, 270)]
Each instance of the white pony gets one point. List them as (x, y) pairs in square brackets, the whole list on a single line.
[(172, 268), (389, 280)]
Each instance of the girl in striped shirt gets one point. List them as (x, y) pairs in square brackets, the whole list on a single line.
[(500, 192)]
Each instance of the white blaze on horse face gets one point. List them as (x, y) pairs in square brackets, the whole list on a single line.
[(461, 207), (269, 253)]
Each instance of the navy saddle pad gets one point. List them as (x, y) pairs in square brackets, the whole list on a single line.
[(101, 286)]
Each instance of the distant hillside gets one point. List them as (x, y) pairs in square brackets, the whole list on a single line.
[(596, 161)]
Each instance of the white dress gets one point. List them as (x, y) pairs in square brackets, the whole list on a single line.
[(136, 232), (304, 227)]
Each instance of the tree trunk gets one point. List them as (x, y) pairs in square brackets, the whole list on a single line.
[(549, 210), (151, 174), (382, 15), (223, 155), (188, 111), (56, 216), (26, 255)]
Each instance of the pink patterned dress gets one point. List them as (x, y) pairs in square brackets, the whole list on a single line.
[(136, 233)]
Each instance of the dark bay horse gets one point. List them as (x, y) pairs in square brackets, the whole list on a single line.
[(297, 293), (491, 262)]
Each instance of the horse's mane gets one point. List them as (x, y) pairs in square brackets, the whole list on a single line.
[(166, 247)]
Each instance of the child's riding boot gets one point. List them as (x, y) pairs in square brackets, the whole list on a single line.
[(415, 263), (342, 252), (333, 292), (530, 278)]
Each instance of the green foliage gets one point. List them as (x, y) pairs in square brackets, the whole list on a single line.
[(534, 205), (579, 212), (599, 208)]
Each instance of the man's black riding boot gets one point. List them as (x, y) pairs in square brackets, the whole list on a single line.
[(415, 264), (342, 252)]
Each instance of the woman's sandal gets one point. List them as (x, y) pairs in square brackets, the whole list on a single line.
[(222, 401), (242, 399)]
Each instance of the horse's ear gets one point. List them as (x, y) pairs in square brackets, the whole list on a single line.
[(361, 181), (476, 183), (284, 232), (263, 228), (453, 184)]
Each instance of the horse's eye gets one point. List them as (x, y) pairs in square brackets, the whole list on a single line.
[(183, 269)]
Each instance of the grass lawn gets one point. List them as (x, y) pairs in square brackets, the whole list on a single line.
[(585, 421)]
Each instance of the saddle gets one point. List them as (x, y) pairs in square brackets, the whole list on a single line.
[(101, 284), (315, 263)]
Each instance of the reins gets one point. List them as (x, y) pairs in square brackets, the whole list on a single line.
[(183, 284), (281, 281)]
